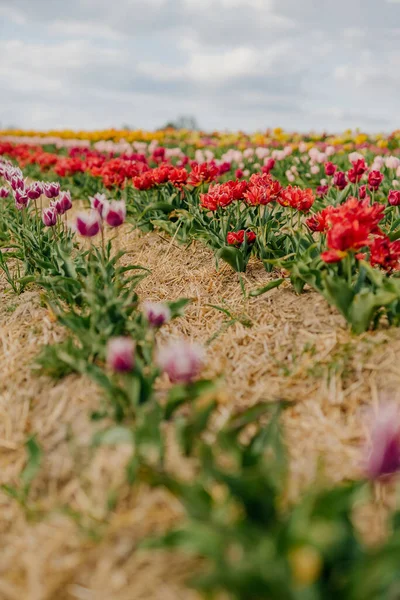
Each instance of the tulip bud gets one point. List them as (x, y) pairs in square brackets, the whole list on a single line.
[(330, 169), (88, 224), (339, 179), (394, 197), (121, 354), (362, 192), (181, 360), (115, 213), (156, 313), (49, 216), (375, 179), (51, 190), (4, 192)]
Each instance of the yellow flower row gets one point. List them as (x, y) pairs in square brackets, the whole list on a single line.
[(200, 139)]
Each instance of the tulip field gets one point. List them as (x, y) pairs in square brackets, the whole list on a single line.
[(199, 390)]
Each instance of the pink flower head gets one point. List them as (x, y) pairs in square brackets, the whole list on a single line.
[(63, 203), (98, 202), (121, 354), (384, 450), (51, 190), (49, 216), (35, 190), (88, 224), (115, 213), (17, 183), (392, 162), (21, 198), (4, 192), (181, 360), (394, 197), (156, 313)]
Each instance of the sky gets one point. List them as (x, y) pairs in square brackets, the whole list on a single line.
[(232, 64)]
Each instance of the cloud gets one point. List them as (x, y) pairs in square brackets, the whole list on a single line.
[(231, 63)]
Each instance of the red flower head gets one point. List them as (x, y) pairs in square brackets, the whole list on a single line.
[(362, 192), (394, 197), (269, 165), (144, 181), (330, 169), (385, 254), (339, 180), (359, 168), (236, 238), (238, 173), (178, 177), (203, 173), (297, 198), (375, 179), (320, 221)]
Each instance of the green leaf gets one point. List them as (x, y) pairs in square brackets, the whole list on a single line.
[(113, 436), (234, 257), (33, 464), (270, 286)]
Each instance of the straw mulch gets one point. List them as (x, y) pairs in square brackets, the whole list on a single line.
[(294, 348)]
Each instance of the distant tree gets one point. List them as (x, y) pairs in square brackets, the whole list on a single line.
[(182, 122)]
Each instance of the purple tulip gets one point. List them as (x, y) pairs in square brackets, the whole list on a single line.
[(181, 360), (121, 354), (21, 197), (115, 213), (17, 183), (35, 190), (63, 203), (384, 451), (156, 313), (88, 224), (51, 190), (4, 192), (49, 216), (99, 202)]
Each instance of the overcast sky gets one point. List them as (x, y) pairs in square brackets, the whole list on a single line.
[(232, 64)]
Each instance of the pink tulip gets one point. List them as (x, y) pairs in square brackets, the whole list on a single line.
[(88, 224), (181, 360), (121, 354), (156, 313), (4, 192), (115, 213), (49, 216)]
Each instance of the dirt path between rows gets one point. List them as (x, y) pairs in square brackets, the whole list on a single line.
[(282, 346)]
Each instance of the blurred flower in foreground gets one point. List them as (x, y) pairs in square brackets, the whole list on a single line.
[(121, 354), (181, 360), (384, 451), (157, 313), (88, 224)]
